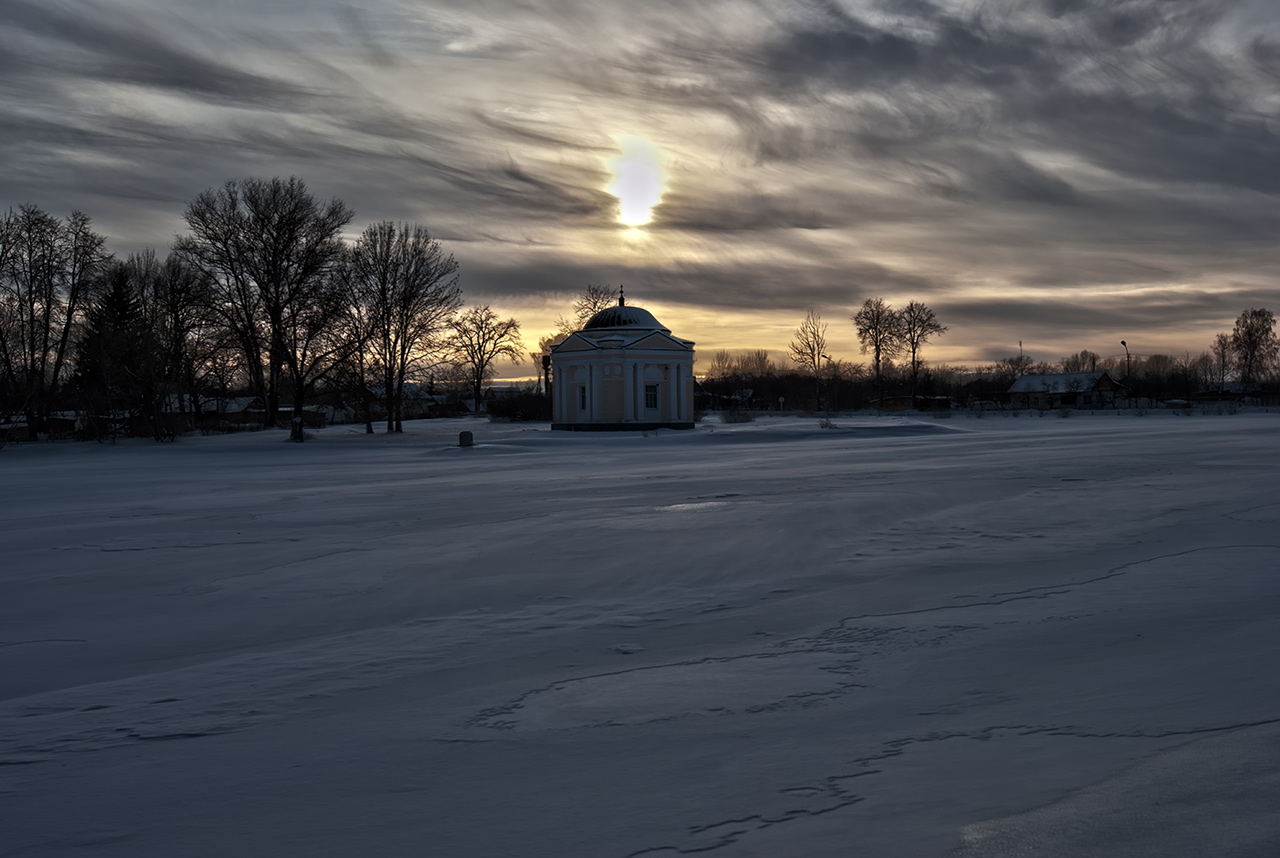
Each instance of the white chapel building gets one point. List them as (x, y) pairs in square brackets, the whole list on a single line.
[(623, 370)]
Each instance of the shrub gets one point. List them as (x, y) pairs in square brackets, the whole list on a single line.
[(524, 406), (736, 415)]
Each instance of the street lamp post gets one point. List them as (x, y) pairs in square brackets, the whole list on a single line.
[(1128, 371), (835, 391)]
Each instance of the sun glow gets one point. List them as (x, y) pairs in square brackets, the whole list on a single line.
[(638, 177)]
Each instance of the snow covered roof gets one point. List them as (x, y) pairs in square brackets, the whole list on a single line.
[(622, 316), (1062, 382), (621, 327)]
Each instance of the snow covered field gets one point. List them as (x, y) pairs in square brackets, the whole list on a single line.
[(900, 637)]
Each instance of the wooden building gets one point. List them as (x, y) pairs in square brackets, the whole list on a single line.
[(1065, 390)]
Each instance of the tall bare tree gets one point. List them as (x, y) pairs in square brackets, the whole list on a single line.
[(1082, 361), (591, 300), (1254, 345), (880, 332), (49, 269), (808, 348), (919, 324), (1223, 360), (1192, 373), (721, 365), (479, 340), (755, 363), (410, 287), (358, 327), (271, 249)]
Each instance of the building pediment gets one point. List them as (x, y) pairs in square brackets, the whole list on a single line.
[(651, 340), (661, 341), (575, 343)]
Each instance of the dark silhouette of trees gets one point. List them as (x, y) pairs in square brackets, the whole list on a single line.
[(405, 289), (755, 363), (49, 269), (140, 359), (880, 332), (271, 251), (478, 340), (1223, 360), (112, 356), (1191, 374), (1082, 361), (178, 335), (1253, 345), (808, 348), (918, 325), (720, 365)]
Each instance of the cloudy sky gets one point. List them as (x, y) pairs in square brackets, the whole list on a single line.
[(1067, 173)]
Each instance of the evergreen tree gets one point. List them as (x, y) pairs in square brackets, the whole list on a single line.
[(111, 355)]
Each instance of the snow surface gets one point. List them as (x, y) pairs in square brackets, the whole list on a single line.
[(900, 637)]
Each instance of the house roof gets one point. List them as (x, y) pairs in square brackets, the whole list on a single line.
[(1062, 382)]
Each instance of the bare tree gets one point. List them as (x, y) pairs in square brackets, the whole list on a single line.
[(49, 271), (409, 287), (754, 363), (880, 331), (1254, 345), (1082, 361), (722, 364), (808, 348), (1222, 360), (919, 324), (479, 339), (1193, 373), (358, 327), (591, 300), (270, 249)]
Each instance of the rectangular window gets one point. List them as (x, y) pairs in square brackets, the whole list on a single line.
[(651, 396), (582, 398)]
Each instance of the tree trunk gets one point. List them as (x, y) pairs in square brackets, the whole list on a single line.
[(297, 430), (366, 402)]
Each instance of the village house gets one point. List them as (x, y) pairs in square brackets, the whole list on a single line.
[(1065, 390)]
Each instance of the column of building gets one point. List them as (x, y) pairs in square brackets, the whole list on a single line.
[(628, 391)]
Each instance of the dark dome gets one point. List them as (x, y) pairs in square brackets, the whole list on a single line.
[(623, 316)]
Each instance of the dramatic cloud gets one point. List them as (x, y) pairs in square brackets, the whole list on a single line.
[(1066, 173)]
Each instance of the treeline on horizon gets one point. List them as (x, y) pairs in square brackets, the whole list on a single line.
[(1239, 364), (263, 300)]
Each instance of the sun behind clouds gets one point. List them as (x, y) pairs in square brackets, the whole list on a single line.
[(638, 177)]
